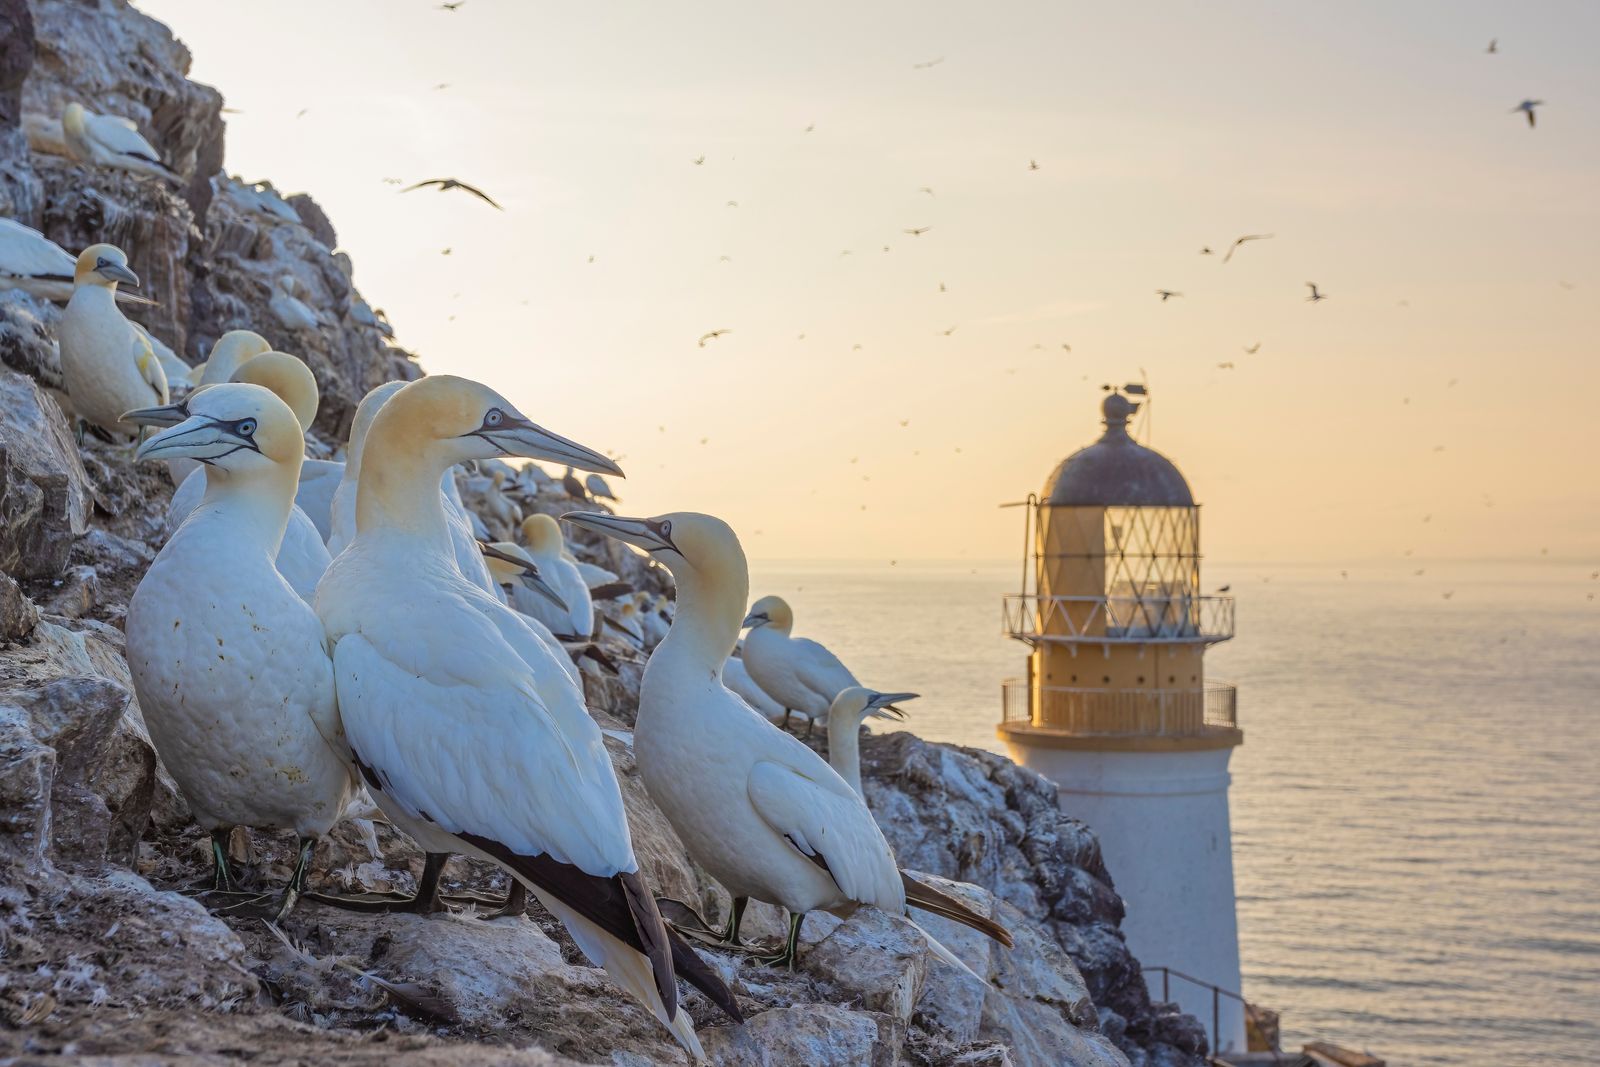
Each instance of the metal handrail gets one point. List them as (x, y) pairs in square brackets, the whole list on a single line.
[(1181, 617), (1217, 993), (1085, 711)]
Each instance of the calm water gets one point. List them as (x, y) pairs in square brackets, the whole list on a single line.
[(1416, 806)]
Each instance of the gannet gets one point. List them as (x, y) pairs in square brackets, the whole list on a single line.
[(110, 141), (598, 489), (109, 367), (32, 262), (626, 622), (756, 808), (546, 547), (513, 570), (179, 374), (344, 497), (303, 556), (501, 508), (653, 620), (797, 672), (292, 312), (228, 353), (736, 678), (465, 727), (848, 711), (229, 664)]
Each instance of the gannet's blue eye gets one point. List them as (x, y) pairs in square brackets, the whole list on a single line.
[(666, 528), (494, 418), (245, 427)]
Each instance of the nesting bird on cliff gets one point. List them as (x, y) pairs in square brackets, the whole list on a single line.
[(849, 710), (761, 812), (109, 141), (109, 367), (470, 735), (547, 549), (228, 661), (32, 262), (797, 672), (525, 586), (738, 680)]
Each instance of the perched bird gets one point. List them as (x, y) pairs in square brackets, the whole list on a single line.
[(32, 262), (797, 672), (444, 185), (179, 374), (292, 312), (1527, 107), (573, 487), (343, 519), (1315, 293), (302, 556), (574, 619), (761, 812), (109, 141), (229, 663), (1241, 240), (598, 489), (711, 335), (653, 617), (515, 572), (738, 680), (468, 732), (848, 711), (1166, 294), (108, 366)]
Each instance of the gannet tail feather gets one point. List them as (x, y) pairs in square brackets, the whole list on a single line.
[(926, 898), (938, 949), (697, 973)]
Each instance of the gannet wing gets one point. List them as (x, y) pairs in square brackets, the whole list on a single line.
[(27, 253), (149, 364), (819, 670), (828, 823), (122, 136), (319, 479)]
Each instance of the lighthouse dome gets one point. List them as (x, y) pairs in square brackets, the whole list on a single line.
[(1117, 471)]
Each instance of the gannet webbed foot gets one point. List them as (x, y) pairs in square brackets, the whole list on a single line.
[(786, 957), (730, 933), (513, 907), (425, 901), (221, 878), (274, 908)]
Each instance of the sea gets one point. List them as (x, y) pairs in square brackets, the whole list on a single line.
[(1416, 806)]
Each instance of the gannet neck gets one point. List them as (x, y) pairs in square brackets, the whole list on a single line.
[(711, 602), (401, 471), (844, 749), (257, 501), (95, 294)]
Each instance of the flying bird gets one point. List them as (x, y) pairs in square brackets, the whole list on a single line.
[(1494, 46), (446, 184), (1205, 250), (451, 5), (1528, 106), (1253, 349), (929, 63), (1224, 366), (926, 189), (711, 336), (1033, 164), (918, 231), (810, 128), (1317, 295), (950, 331), (698, 161), (1166, 294), (1241, 240)]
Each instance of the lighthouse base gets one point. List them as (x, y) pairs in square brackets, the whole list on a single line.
[(1162, 820)]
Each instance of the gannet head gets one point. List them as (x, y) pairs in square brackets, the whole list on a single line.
[(680, 539), (459, 420), (508, 563), (104, 265), (771, 611), (368, 410), (286, 376), (852, 706), (232, 427), (72, 116), (543, 534), (230, 351)]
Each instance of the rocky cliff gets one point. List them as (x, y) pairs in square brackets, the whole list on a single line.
[(102, 957)]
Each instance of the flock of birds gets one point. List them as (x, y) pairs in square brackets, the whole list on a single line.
[(316, 637)]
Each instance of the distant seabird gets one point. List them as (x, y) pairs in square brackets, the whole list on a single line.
[(761, 812), (573, 487), (711, 335), (1166, 294), (109, 141), (1241, 240), (1527, 107), (1315, 293), (598, 489), (292, 312), (446, 184), (848, 711), (917, 231), (108, 366), (467, 732), (1494, 46), (797, 672), (546, 547), (228, 662), (1253, 349)]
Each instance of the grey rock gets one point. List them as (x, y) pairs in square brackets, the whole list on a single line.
[(18, 616), (28, 338), (44, 490), (823, 1035), (16, 58), (876, 959)]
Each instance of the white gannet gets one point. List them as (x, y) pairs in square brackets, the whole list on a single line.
[(344, 497), (761, 812), (653, 619), (229, 664), (849, 710), (179, 374), (736, 678), (109, 141), (797, 672), (292, 312), (598, 489), (468, 732), (547, 548), (526, 586), (227, 354), (32, 262), (302, 557), (108, 366)]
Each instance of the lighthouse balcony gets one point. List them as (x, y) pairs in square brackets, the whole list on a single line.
[(1208, 710), (1106, 620)]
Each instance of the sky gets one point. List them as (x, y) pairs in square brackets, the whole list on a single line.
[(880, 405)]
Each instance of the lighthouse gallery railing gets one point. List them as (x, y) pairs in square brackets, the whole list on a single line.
[(1097, 619)]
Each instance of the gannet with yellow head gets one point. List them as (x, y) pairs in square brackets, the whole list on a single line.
[(797, 672), (109, 141), (469, 733), (229, 663), (765, 815), (228, 352), (850, 709), (108, 366), (548, 548), (525, 586)]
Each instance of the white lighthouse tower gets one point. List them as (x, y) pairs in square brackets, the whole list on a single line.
[(1116, 708)]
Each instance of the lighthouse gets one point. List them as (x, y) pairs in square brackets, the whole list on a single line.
[(1116, 708)]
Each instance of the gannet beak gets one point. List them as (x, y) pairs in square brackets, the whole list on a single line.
[(651, 535), (202, 438), (166, 415), (754, 619), (882, 705), (529, 574), (116, 272), (516, 436)]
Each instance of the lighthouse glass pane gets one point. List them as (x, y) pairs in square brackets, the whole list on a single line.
[(1152, 572)]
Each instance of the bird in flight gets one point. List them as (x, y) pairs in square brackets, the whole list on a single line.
[(1494, 45), (1033, 164), (917, 231), (1253, 349), (926, 189), (1066, 348), (441, 85), (446, 184), (942, 289), (809, 128), (451, 5), (392, 181), (1166, 294), (1224, 366), (1223, 588), (698, 161), (1316, 294), (1205, 250), (951, 330), (1241, 240), (711, 336), (929, 63), (1528, 106)]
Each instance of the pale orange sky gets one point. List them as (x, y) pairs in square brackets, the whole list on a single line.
[(1373, 139)]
